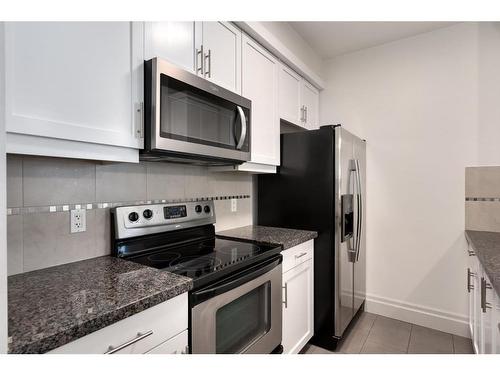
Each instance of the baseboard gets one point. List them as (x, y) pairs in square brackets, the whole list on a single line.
[(417, 314)]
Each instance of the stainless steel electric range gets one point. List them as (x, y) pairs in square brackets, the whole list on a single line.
[(235, 304)]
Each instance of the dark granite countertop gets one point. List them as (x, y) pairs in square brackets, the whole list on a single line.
[(486, 245), (53, 306), (286, 238)]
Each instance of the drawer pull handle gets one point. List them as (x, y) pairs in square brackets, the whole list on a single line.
[(140, 336), (285, 302), (300, 255)]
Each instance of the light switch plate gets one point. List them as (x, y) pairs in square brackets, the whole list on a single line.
[(78, 220), (234, 205)]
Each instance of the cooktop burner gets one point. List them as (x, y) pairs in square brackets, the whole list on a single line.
[(201, 259)]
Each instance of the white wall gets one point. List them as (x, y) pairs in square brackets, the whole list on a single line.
[(3, 224), (415, 102), (489, 93), (296, 44)]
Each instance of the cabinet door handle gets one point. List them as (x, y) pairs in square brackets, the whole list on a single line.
[(305, 113), (300, 255), (201, 68), (286, 295), (484, 285), (140, 126), (139, 337), (208, 71), (469, 275), (302, 114)]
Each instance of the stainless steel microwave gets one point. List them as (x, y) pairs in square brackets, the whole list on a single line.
[(191, 120)]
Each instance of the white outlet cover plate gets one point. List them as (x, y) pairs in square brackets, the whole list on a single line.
[(78, 220), (234, 205)]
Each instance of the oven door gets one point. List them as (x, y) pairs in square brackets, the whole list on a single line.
[(241, 314), (191, 116)]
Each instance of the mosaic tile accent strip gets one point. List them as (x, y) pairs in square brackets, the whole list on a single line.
[(472, 199), (101, 205)]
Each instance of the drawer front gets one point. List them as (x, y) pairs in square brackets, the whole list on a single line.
[(143, 331), (176, 345), (298, 254)]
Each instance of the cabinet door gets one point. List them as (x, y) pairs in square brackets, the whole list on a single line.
[(222, 54), (470, 275), (79, 81), (476, 282), (310, 99), (289, 95), (176, 345), (297, 307), (488, 316), (172, 41), (260, 85)]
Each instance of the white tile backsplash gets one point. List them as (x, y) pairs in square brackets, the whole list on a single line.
[(120, 182), (39, 240), (14, 181), (48, 181)]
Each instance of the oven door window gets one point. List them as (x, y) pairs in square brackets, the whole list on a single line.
[(244, 320), (196, 116)]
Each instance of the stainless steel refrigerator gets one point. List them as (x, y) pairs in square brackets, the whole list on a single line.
[(320, 186)]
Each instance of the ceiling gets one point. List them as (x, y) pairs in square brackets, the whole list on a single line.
[(331, 39)]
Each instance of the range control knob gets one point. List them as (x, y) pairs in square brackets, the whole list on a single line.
[(148, 214), (197, 209), (133, 216), (206, 209)]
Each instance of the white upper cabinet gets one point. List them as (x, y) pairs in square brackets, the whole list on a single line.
[(211, 50), (260, 71), (172, 41), (310, 103), (74, 81), (221, 43), (289, 95), (298, 99)]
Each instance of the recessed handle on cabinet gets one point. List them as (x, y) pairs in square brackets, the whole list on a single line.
[(285, 302), (201, 68), (471, 252), (208, 71), (139, 337)]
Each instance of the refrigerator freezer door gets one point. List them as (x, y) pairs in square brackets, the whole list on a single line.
[(344, 246), (360, 213)]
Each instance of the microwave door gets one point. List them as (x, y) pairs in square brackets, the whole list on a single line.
[(188, 118)]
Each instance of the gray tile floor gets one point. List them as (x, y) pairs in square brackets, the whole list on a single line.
[(376, 334)]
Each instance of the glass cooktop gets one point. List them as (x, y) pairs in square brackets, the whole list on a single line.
[(204, 259)]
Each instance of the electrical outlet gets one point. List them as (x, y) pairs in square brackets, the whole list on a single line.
[(234, 205), (78, 220)]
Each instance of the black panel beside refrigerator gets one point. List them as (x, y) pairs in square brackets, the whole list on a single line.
[(318, 168)]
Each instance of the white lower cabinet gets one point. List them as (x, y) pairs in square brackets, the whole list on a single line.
[(484, 310), (298, 297), (176, 345), (159, 329)]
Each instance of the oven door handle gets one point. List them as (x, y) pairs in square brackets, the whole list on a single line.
[(235, 280)]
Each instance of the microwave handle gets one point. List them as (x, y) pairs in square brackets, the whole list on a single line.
[(243, 128)]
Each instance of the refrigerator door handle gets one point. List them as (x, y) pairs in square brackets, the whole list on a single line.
[(352, 250), (359, 224)]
